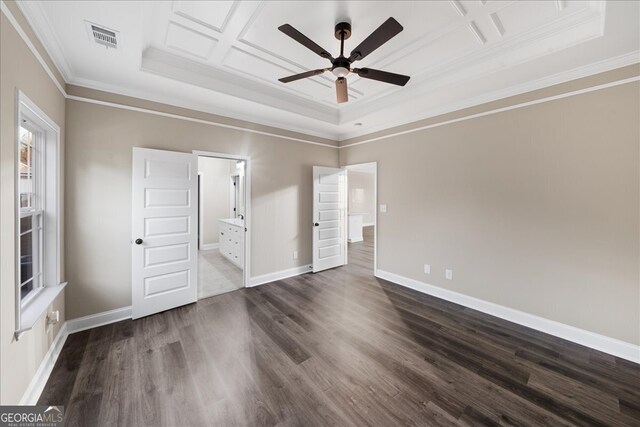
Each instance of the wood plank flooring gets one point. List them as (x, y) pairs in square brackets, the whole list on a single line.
[(335, 348)]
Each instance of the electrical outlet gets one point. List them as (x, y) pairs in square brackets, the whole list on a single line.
[(295, 254), (427, 269), (383, 208), (448, 274), (53, 317)]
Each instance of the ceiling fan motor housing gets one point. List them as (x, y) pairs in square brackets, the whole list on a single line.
[(341, 67)]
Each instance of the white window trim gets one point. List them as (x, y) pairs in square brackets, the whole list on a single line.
[(28, 312)]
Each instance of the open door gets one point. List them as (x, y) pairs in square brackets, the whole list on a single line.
[(329, 218), (164, 241)]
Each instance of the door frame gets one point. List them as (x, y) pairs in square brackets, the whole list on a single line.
[(354, 166), (246, 273)]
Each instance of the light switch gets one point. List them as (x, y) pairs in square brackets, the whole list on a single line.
[(383, 208), (448, 274), (427, 269)]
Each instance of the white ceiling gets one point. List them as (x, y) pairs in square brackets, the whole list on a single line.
[(225, 57)]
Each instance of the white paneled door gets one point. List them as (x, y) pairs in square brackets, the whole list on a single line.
[(329, 218), (164, 241)]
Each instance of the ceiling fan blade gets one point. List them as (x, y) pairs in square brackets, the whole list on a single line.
[(380, 36), (382, 76), (341, 90), (302, 75), (305, 41)]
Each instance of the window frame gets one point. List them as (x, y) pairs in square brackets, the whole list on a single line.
[(46, 208)]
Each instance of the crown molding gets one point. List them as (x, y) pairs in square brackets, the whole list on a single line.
[(35, 16), (497, 110), (422, 42), (582, 25), (579, 72), (609, 64), (25, 38), (172, 102), (71, 80), (165, 64), (194, 120)]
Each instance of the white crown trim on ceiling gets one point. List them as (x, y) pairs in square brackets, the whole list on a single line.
[(47, 69), (31, 47), (606, 65), (193, 119), (533, 85), (498, 110)]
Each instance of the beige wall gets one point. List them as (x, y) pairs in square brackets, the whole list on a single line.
[(19, 70), (215, 177), (535, 208), (98, 203), (364, 202)]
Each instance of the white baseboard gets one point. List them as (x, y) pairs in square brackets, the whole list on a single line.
[(599, 342), (209, 246), (98, 319), (40, 378), (278, 275)]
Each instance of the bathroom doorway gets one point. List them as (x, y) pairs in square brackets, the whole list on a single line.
[(362, 215), (222, 223)]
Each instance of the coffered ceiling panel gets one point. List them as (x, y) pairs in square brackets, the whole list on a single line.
[(189, 41), (211, 14), (526, 15), (226, 56), (430, 55)]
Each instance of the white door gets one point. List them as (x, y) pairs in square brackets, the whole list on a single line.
[(329, 218), (165, 207)]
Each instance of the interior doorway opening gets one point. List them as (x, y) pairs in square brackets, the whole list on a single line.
[(362, 218), (222, 217)]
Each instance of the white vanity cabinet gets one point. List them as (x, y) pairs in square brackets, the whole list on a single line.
[(231, 240)]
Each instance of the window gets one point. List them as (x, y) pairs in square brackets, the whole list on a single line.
[(31, 230), (37, 214)]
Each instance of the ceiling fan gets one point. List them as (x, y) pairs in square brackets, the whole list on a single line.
[(341, 66)]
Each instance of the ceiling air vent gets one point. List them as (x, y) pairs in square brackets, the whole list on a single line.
[(103, 35)]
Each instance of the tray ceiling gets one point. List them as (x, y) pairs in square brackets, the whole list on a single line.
[(225, 57)]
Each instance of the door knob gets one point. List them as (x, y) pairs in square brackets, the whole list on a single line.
[(315, 224), (138, 241)]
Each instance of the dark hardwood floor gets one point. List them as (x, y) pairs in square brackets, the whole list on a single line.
[(335, 348)]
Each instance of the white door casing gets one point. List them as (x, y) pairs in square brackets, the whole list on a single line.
[(329, 218), (165, 215)]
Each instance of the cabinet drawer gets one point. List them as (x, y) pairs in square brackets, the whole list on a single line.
[(231, 242)]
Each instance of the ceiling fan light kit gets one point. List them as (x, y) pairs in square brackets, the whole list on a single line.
[(341, 66)]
